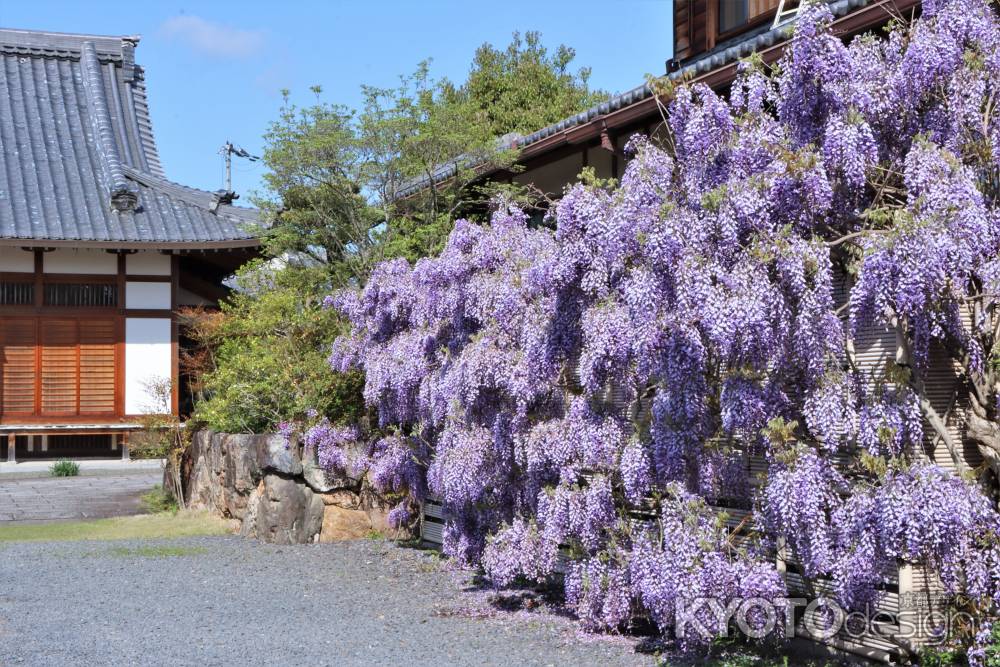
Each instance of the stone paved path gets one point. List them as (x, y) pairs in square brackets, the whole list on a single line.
[(62, 498)]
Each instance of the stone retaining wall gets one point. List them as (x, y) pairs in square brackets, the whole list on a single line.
[(277, 491)]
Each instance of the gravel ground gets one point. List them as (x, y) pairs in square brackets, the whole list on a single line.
[(225, 600)]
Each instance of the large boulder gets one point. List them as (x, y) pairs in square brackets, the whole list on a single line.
[(200, 487), (228, 467), (239, 460), (208, 487), (344, 523), (286, 511), (274, 453), (349, 515), (318, 479), (241, 471), (322, 480), (278, 490)]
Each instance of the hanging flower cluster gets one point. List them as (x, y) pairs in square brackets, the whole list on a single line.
[(554, 388)]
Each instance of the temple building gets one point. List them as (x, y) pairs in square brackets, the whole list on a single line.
[(98, 249)]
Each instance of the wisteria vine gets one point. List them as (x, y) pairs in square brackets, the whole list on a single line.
[(594, 394)]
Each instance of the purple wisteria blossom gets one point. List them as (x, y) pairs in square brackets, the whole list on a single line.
[(591, 391)]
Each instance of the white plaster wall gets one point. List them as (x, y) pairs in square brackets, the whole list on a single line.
[(147, 295), (147, 358), (147, 264), (65, 260), (15, 260)]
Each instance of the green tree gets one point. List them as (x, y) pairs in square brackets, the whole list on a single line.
[(423, 131), (339, 199), (315, 208), (523, 88)]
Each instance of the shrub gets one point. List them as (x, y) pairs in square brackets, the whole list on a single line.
[(986, 650), (64, 468), (269, 353), (938, 657)]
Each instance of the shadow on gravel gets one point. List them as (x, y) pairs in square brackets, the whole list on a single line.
[(547, 599)]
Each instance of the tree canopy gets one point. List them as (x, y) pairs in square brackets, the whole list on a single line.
[(523, 88), (337, 177), (333, 208)]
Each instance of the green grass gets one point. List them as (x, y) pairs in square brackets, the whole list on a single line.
[(159, 499), (64, 468), (147, 526)]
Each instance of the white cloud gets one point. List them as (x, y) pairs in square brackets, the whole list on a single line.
[(213, 39)]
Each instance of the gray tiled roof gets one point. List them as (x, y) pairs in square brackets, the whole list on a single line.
[(723, 54), (79, 162)]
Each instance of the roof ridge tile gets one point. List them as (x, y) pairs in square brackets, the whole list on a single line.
[(122, 195)]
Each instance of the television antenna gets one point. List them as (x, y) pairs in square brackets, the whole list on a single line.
[(228, 150)]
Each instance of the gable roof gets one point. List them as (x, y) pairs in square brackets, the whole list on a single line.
[(80, 164)]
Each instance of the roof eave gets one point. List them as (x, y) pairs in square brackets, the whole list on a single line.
[(862, 18), (229, 244), (869, 16)]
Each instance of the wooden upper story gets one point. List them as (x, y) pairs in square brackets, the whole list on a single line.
[(699, 25)]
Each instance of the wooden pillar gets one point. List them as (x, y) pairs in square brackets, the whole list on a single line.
[(11, 448), (125, 454), (175, 366), (120, 337), (39, 303)]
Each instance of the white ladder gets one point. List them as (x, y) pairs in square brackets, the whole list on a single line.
[(783, 16)]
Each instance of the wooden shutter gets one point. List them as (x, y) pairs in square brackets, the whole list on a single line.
[(757, 8), (60, 367), (682, 29), (17, 366), (691, 29), (97, 366), (69, 364)]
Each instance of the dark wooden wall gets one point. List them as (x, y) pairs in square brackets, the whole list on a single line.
[(696, 24)]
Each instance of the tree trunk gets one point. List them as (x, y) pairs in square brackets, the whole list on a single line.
[(936, 421), (986, 434), (940, 428)]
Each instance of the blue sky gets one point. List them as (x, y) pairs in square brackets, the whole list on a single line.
[(215, 69)]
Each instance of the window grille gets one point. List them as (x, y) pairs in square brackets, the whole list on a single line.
[(81, 295), (17, 294)]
